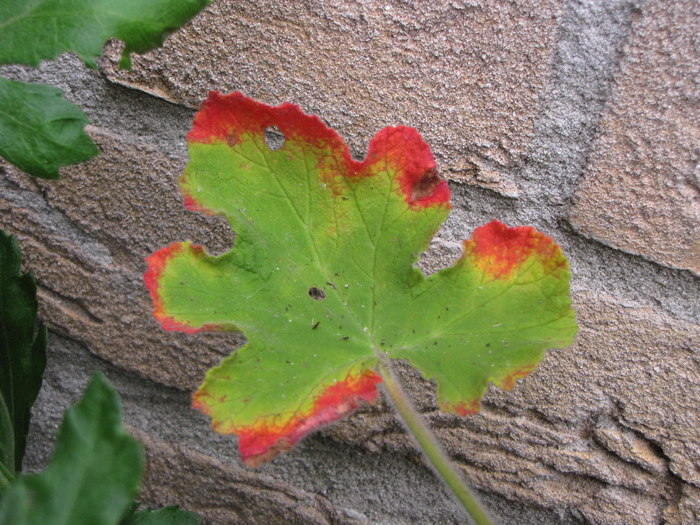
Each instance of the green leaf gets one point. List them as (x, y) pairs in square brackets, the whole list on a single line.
[(322, 282), (22, 355), (94, 474), (36, 30), (41, 131), (165, 516)]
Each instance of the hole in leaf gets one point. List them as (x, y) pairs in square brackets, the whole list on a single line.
[(316, 293), (274, 138)]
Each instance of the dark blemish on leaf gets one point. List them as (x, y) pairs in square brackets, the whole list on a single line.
[(316, 293), (316, 325), (425, 186), (331, 285), (345, 338), (232, 138), (488, 344), (274, 138)]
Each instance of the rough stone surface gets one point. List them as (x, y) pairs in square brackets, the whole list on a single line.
[(224, 494), (467, 75), (641, 191)]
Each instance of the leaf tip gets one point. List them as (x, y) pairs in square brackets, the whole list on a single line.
[(192, 204), (499, 251), (233, 118), (267, 438), (463, 408), (507, 382), (157, 265), (419, 180)]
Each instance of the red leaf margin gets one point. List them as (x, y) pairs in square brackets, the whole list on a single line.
[(264, 440), (157, 264), (228, 118), (499, 250)]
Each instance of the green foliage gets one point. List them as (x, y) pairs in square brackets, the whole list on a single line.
[(322, 281), (39, 130), (22, 357), (36, 30), (94, 474)]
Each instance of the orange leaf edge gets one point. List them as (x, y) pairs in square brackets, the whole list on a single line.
[(157, 264), (264, 440), (498, 250)]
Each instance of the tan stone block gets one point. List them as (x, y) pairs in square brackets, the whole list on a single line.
[(689, 508), (467, 76), (228, 493), (86, 237), (641, 190)]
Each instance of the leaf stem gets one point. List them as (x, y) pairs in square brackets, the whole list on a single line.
[(430, 447)]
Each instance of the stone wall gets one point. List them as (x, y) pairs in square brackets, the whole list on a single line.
[(580, 118)]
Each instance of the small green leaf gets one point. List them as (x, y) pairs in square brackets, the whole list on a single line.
[(22, 354), (36, 30), (322, 282), (41, 131), (165, 516), (94, 474)]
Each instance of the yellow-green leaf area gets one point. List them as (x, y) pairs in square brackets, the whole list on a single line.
[(321, 277)]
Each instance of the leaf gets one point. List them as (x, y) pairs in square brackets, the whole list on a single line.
[(22, 355), (165, 516), (41, 131), (321, 277), (36, 30), (94, 474)]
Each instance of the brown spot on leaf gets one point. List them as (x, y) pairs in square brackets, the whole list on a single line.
[(232, 138), (425, 186)]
